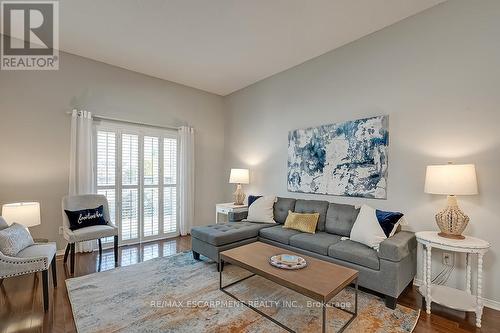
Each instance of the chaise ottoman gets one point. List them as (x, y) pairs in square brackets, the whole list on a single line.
[(211, 239)]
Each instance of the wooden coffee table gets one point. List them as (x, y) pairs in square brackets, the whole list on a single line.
[(319, 280)]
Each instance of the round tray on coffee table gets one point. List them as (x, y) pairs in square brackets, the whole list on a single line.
[(277, 262)]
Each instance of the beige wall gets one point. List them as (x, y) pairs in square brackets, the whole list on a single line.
[(437, 75), (34, 129)]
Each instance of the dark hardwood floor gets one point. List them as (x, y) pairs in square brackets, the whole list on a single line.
[(21, 307)]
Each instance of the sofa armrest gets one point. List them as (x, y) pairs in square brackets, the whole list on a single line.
[(397, 247), (236, 217)]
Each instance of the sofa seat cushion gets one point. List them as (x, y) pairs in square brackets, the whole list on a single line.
[(226, 233), (318, 242), (45, 250), (278, 234), (90, 233), (355, 253)]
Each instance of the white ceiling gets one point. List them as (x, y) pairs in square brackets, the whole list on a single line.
[(220, 46)]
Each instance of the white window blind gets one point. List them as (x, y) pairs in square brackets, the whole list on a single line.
[(170, 184), (151, 153), (136, 169), (130, 159), (151, 186), (130, 214), (151, 211), (170, 161), (110, 195), (106, 158), (106, 170)]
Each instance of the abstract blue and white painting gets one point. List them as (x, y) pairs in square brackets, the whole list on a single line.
[(348, 158)]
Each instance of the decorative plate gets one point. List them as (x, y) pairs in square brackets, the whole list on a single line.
[(276, 261)]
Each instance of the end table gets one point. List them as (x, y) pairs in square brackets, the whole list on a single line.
[(229, 207), (462, 300)]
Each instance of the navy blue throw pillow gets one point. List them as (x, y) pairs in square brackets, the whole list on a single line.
[(252, 198), (388, 220), (86, 217)]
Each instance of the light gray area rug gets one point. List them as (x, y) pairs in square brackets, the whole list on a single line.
[(179, 294)]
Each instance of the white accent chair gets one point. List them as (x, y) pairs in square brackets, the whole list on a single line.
[(87, 201), (34, 258)]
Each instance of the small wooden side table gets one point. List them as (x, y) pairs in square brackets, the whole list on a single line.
[(462, 300), (229, 207)]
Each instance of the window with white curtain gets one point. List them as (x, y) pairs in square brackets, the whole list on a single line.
[(136, 169)]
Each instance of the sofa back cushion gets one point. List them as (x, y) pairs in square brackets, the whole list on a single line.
[(281, 208), (340, 219), (313, 206)]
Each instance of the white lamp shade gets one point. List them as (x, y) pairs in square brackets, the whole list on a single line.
[(451, 179), (239, 176), (25, 213)]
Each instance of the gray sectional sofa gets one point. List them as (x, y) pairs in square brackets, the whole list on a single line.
[(387, 271)]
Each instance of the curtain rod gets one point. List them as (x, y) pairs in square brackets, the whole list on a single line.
[(97, 117)]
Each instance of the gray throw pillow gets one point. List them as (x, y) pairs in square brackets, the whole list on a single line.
[(14, 239), (3, 223)]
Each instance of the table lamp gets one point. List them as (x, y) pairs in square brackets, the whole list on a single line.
[(451, 180), (25, 213), (239, 176)]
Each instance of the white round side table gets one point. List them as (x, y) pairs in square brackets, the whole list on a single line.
[(462, 300)]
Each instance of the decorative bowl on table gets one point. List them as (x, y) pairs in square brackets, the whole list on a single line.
[(287, 261)]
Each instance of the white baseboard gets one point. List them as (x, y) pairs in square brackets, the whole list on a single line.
[(492, 304), (489, 303)]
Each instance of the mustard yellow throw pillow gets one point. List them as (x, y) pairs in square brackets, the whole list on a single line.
[(302, 222)]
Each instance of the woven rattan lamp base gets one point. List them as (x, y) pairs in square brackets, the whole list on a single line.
[(452, 221)]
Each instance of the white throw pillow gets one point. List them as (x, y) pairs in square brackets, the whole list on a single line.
[(366, 229), (262, 210), (14, 239)]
